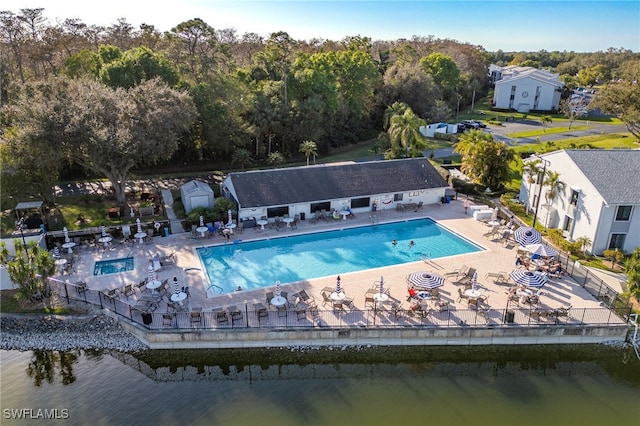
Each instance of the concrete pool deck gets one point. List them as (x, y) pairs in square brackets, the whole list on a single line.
[(495, 258)]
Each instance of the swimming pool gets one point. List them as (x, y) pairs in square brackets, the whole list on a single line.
[(113, 266), (259, 264)]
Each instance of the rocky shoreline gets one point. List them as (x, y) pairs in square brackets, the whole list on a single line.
[(49, 332)]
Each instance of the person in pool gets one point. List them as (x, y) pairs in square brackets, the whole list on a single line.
[(394, 243), (411, 243)]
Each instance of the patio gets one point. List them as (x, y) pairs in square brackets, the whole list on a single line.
[(200, 311)]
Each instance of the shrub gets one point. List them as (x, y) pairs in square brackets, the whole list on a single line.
[(178, 209)]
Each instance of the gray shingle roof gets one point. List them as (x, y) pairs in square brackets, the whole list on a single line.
[(614, 173), (333, 181)]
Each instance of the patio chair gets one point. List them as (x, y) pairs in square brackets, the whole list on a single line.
[(221, 317), (261, 311), (337, 306), (142, 286), (167, 319), (196, 318), (326, 299), (111, 295), (269, 296), (301, 314), (369, 301), (236, 314), (305, 297), (282, 310), (461, 296), (128, 290), (419, 206)]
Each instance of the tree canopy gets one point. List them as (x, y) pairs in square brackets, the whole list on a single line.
[(484, 159)]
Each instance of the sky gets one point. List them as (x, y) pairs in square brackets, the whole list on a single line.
[(508, 25)]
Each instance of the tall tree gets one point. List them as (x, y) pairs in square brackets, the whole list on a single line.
[(404, 134), (554, 185), (622, 97), (104, 130), (29, 269), (632, 270), (442, 68), (484, 159)]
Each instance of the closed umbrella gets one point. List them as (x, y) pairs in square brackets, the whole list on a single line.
[(176, 286), (151, 273), (527, 235), (426, 280), (201, 221), (230, 217), (338, 288), (381, 285), (278, 289), (139, 226), (528, 278), (104, 230), (56, 252), (541, 250), (475, 281), (65, 231)]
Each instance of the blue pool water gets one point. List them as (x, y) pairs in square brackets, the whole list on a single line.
[(259, 264), (113, 266)]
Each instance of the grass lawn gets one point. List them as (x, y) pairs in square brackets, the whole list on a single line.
[(548, 131), (10, 305)]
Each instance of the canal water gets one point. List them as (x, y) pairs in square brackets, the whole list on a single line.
[(516, 385)]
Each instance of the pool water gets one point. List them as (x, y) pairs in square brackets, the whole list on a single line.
[(113, 266), (259, 264)]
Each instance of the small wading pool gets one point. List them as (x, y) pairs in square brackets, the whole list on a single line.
[(113, 266), (258, 264)]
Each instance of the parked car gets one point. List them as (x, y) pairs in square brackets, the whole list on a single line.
[(461, 127), (480, 124), (469, 124)]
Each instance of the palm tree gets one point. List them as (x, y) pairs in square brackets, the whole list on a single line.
[(241, 156), (584, 242), (555, 185), (398, 108), (309, 148), (545, 119), (403, 132), (532, 171)]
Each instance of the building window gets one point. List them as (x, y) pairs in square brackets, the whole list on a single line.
[(574, 197), (414, 194), (623, 214), (398, 197), (568, 223), (360, 202), (617, 241)]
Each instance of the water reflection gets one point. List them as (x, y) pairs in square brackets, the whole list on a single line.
[(44, 364)]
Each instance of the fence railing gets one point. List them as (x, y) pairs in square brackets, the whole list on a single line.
[(247, 317), (609, 297)]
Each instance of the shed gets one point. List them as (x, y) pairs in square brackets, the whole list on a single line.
[(196, 194)]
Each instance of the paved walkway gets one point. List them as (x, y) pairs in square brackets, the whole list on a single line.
[(167, 199)]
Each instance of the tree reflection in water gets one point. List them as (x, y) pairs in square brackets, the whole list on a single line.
[(43, 365)]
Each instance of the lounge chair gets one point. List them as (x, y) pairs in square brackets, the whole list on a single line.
[(456, 272), (221, 317), (305, 297), (128, 290), (196, 318)]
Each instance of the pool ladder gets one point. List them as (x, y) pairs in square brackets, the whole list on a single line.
[(220, 289)]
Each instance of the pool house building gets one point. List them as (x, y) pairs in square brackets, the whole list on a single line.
[(355, 186)]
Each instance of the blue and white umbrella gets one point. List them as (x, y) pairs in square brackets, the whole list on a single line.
[(381, 285), (541, 250), (176, 286), (338, 288), (104, 230), (151, 273), (201, 221), (528, 278), (56, 252), (426, 280), (527, 235), (278, 289)]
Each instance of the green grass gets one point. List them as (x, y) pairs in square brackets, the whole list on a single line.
[(9, 304), (548, 131)]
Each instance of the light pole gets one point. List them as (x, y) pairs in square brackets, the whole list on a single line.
[(544, 172)]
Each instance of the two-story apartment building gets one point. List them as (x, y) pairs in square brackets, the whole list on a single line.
[(525, 89), (601, 199)]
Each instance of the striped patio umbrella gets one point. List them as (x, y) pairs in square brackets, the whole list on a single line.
[(56, 252), (541, 249), (230, 217), (104, 230), (65, 231), (139, 225), (527, 235), (278, 289), (381, 285), (151, 273), (338, 288), (528, 278), (201, 221), (176, 286), (426, 280)]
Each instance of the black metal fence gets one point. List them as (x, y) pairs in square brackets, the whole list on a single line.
[(161, 318), (609, 297)]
